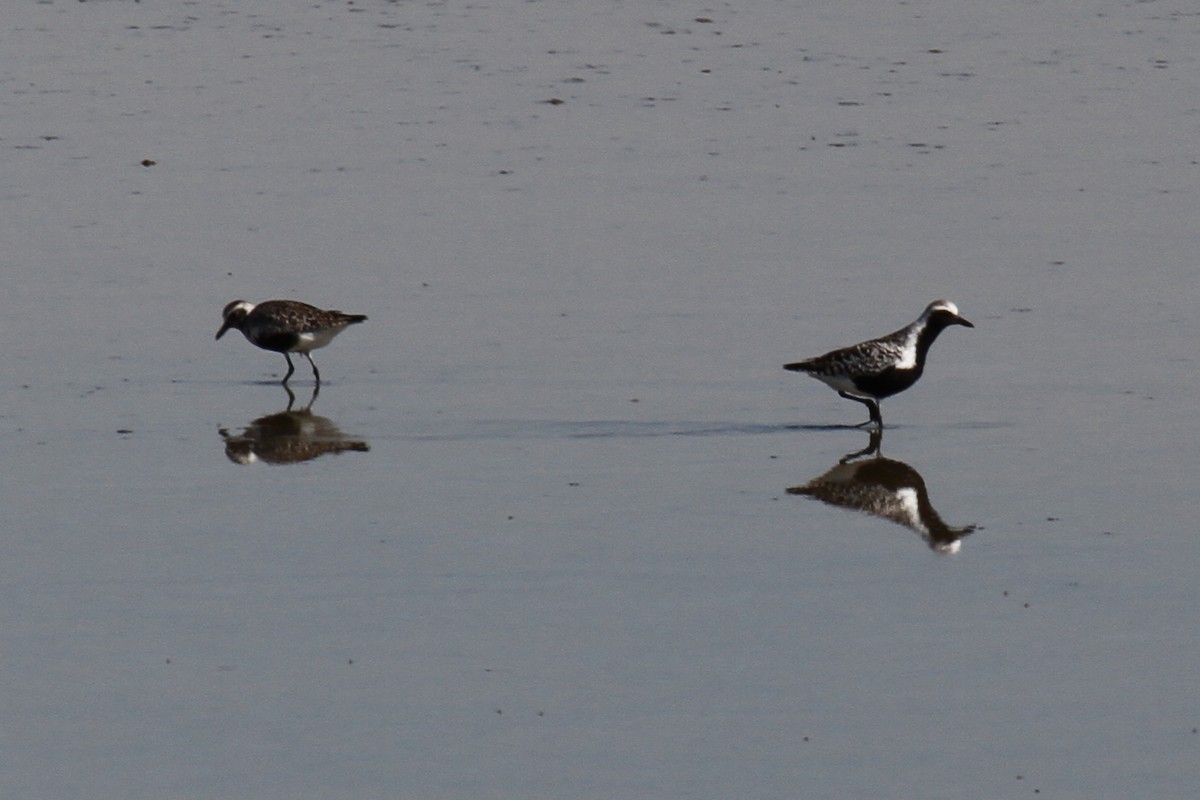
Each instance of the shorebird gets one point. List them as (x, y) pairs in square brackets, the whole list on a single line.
[(870, 371), (287, 326)]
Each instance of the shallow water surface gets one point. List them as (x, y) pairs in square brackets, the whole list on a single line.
[(557, 523)]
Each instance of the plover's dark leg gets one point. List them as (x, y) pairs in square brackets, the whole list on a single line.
[(872, 448), (291, 368), (316, 374), (871, 405), (876, 417)]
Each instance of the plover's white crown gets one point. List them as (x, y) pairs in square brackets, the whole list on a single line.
[(244, 305), (940, 305)]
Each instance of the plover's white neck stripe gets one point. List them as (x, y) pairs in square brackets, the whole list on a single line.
[(909, 502), (908, 350)]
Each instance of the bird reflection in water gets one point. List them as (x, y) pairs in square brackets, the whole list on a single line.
[(883, 487), (289, 437)]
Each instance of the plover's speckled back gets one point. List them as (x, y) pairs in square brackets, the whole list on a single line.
[(870, 371), (287, 326)]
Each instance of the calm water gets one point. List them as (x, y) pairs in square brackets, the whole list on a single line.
[(557, 523)]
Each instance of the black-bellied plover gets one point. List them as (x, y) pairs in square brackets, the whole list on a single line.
[(287, 326), (870, 371)]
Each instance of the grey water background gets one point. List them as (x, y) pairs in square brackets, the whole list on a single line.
[(565, 561)]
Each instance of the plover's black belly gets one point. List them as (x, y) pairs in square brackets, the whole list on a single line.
[(278, 341), (886, 383)]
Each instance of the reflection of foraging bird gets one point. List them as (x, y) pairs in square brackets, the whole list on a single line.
[(286, 326), (289, 437), (870, 371)]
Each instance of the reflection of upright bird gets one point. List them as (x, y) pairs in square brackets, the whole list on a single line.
[(870, 371), (888, 489), (287, 326)]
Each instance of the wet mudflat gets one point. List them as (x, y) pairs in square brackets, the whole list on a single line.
[(557, 523)]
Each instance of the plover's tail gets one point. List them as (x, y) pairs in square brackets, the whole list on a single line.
[(799, 366), (350, 319)]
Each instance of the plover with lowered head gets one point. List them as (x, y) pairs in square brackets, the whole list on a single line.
[(287, 326), (870, 371)]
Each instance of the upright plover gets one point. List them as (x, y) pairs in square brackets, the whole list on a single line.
[(870, 371), (286, 326)]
